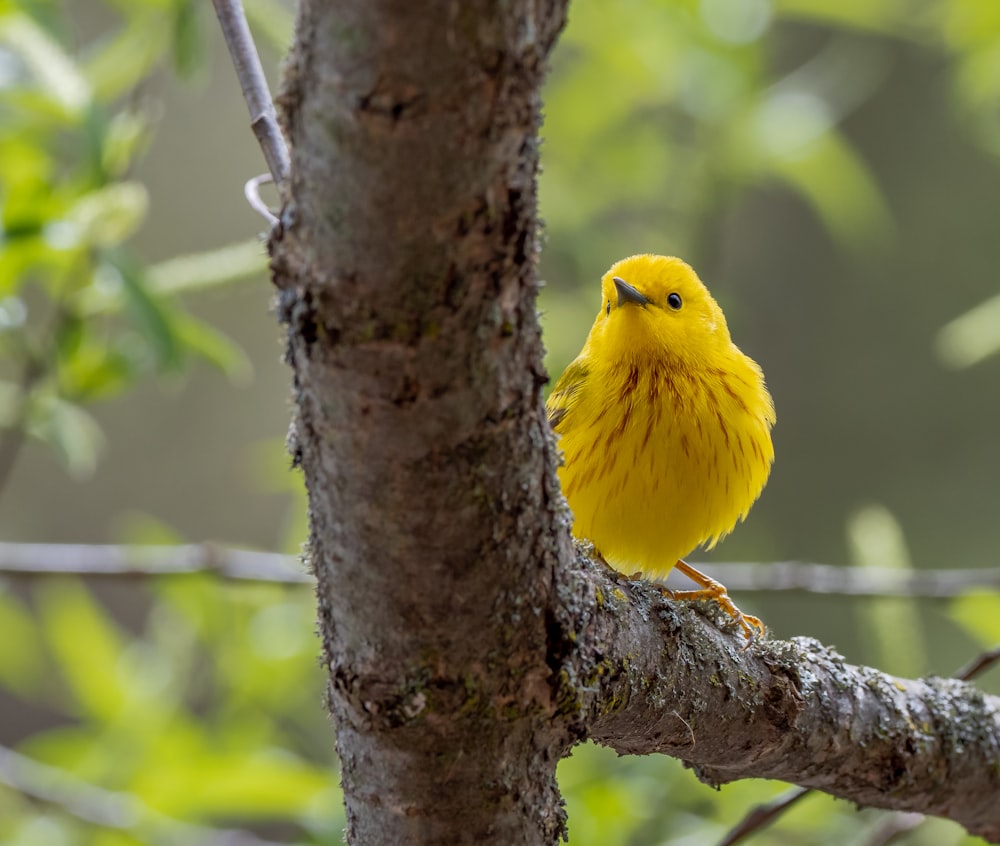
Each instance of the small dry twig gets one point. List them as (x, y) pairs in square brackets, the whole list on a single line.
[(763, 815), (980, 664), (183, 559), (263, 118), (228, 562)]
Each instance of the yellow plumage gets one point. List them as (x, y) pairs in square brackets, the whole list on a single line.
[(663, 423)]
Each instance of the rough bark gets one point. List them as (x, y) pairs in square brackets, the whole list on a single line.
[(406, 270), (467, 649), (644, 675)]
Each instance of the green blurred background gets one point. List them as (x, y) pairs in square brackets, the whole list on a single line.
[(830, 168)]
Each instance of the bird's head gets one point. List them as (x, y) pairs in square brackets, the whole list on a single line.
[(656, 308)]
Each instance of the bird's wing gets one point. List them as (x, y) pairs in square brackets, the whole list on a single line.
[(566, 393)]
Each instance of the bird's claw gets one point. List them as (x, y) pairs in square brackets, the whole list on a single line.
[(753, 627)]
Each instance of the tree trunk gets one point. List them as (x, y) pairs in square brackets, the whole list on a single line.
[(407, 277)]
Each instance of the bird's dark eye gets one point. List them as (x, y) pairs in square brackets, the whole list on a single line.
[(607, 311), (674, 301)]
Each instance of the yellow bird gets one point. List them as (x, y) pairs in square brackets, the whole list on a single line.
[(664, 425)]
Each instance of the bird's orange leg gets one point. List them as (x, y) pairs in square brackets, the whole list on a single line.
[(711, 589)]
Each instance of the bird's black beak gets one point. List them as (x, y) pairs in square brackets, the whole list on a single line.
[(628, 294)]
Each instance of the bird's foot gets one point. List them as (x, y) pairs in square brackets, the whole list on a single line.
[(752, 626)]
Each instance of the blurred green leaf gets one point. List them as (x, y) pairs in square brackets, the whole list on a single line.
[(156, 319), (876, 540), (891, 17), (196, 271), (49, 830), (56, 73), (968, 23), (834, 180), (108, 216), (264, 784), (114, 837), (26, 172), (13, 313), (21, 668), (209, 343), (31, 255), (272, 20), (626, 795), (87, 647), (126, 135), (736, 21), (29, 206), (70, 335), (978, 613), (598, 805), (94, 371), (189, 37), (976, 88), (73, 432), (971, 337), (118, 64), (192, 272), (278, 632), (69, 746), (140, 528)]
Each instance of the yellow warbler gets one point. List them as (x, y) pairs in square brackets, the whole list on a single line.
[(664, 425)]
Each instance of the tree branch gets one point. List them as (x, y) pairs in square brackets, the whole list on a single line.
[(644, 675), (896, 825)]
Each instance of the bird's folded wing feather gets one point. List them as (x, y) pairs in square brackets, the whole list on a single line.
[(566, 393)]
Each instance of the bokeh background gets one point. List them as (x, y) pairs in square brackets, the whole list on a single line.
[(831, 168)]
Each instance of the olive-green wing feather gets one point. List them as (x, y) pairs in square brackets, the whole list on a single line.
[(566, 394)]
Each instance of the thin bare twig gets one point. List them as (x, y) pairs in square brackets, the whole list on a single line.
[(763, 815), (980, 664), (114, 560), (251, 190), (246, 61), (109, 808), (228, 562), (852, 581)]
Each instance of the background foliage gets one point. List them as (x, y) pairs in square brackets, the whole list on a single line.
[(829, 167)]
